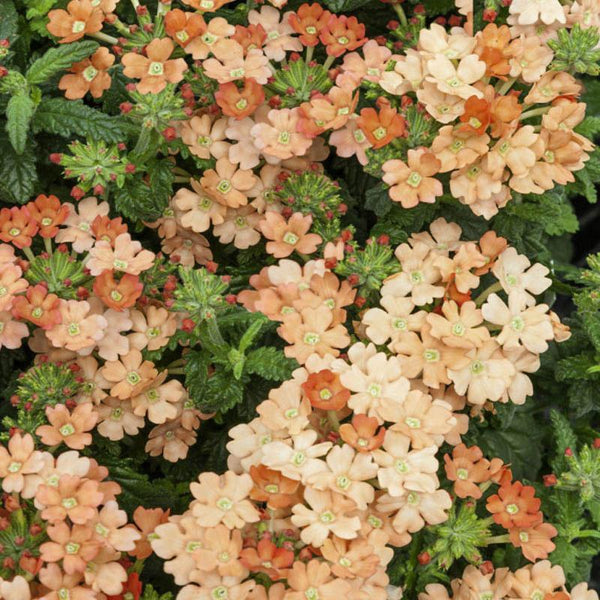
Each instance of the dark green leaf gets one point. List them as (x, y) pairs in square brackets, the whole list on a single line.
[(72, 117), (19, 111), (8, 19), (270, 363), (58, 59), (18, 175)]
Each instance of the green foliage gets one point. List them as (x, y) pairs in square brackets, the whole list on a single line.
[(18, 176), (19, 111), (344, 5), (9, 19), (59, 272), (58, 59), (150, 593), (295, 83), (576, 50)]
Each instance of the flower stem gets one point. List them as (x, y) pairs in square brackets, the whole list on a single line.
[(48, 245), (495, 287), (309, 53), (104, 37), (401, 14), (28, 253), (333, 420), (534, 112), (506, 86), (328, 62), (498, 539)]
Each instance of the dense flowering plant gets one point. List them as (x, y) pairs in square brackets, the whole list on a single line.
[(284, 300)]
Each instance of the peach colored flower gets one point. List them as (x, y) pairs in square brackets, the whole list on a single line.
[(466, 469), (312, 331), (19, 463), (81, 17), (347, 473), (147, 520), (401, 470), (240, 226), (230, 63), (227, 184), (78, 330), (455, 150), (11, 332), (329, 513), (515, 505), (535, 542), (459, 327), (217, 29), (268, 558), (11, 283), (159, 401), (187, 248), (529, 12), (290, 235), (198, 210), (444, 108), (155, 69), (79, 223), (279, 137), (530, 58), (350, 559), (286, 408), (75, 547), (363, 433), (273, 488), (552, 85), (70, 428), (127, 256), (89, 75), (111, 528), (171, 440), (456, 80), (314, 580), (389, 322), (223, 499), (58, 583), (116, 418), (129, 376), (278, 30), (205, 137), (151, 328), (423, 420), (541, 577), (74, 498)]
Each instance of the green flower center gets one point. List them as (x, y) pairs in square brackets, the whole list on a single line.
[(69, 503), (224, 186), (133, 378), (399, 324), (284, 137), (327, 517), (291, 413), (431, 355), (311, 338), (156, 68), (343, 482), (414, 179), (66, 430), (512, 509), (73, 329), (462, 474), (290, 238), (458, 329), (89, 74), (413, 422), (36, 313), (379, 133), (477, 367), (78, 26), (225, 503), (182, 36), (517, 324), (374, 390), (400, 466), (219, 593), (272, 488), (14, 467), (72, 548), (298, 458)]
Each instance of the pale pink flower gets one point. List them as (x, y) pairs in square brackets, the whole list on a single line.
[(458, 327), (247, 441), (521, 326), (205, 137), (457, 81), (407, 75), (217, 30), (152, 328), (474, 183), (112, 344), (111, 528), (104, 574), (315, 580), (351, 141), (198, 209), (369, 67), (230, 64), (279, 40), (529, 12), (17, 589), (187, 248), (78, 223), (524, 362), (160, 400), (444, 108), (329, 513), (401, 470), (530, 58), (245, 153), (240, 226), (78, 331), (286, 408), (347, 473), (19, 463), (443, 237), (517, 276), (542, 578), (223, 499), (116, 419), (486, 376), (11, 283), (435, 40), (279, 136), (395, 317), (456, 151), (298, 461), (126, 256), (12, 332), (515, 151)]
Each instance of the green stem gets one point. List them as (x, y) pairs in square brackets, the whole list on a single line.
[(309, 53), (181, 179), (502, 89), (586, 533), (333, 420), (411, 577), (401, 14), (534, 112), (28, 253), (48, 245), (328, 62), (498, 539), (176, 371), (495, 287), (104, 37)]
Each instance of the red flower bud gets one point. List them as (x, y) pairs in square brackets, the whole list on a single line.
[(188, 325), (56, 157), (77, 192), (211, 266), (125, 107), (169, 134), (486, 567), (424, 558), (550, 480)]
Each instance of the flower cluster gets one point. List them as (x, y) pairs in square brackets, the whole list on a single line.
[(63, 532), (101, 310), (542, 580)]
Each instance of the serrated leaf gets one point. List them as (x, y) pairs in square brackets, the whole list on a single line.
[(345, 5), (58, 59), (564, 438), (378, 200), (19, 112), (9, 19), (72, 117), (270, 363), (151, 594), (222, 393), (196, 374), (18, 175)]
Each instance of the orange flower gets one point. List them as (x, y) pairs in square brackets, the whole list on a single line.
[(183, 27), (118, 294), (75, 547), (147, 520), (289, 236), (362, 433), (331, 111), (89, 75), (476, 117), (325, 391), (515, 505), (155, 69), (413, 182), (273, 488), (492, 49), (81, 17), (535, 542), (107, 229), (206, 5), (383, 127), (309, 21), (48, 213), (253, 36), (227, 184), (17, 226), (505, 111), (267, 558), (342, 34), (467, 468), (70, 428), (38, 306), (239, 103)]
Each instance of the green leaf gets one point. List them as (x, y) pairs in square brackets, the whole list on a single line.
[(72, 117), (378, 200), (223, 392), (196, 374), (19, 112), (151, 594), (251, 333), (9, 19), (18, 176), (345, 5), (564, 438), (270, 363), (58, 59)]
